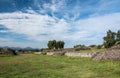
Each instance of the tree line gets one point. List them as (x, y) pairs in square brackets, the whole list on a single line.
[(53, 44), (111, 38)]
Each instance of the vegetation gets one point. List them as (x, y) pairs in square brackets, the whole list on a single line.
[(111, 38), (39, 66), (92, 50), (53, 44), (79, 46)]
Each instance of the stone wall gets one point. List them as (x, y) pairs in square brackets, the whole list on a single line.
[(71, 54), (79, 54)]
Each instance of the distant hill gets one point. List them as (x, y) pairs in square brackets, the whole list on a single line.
[(19, 48)]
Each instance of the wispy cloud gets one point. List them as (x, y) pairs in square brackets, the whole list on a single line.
[(84, 22)]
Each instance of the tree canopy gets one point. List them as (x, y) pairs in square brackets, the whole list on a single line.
[(111, 38), (53, 44)]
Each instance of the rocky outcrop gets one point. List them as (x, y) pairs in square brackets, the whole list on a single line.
[(7, 51), (115, 47), (111, 54), (107, 55), (58, 53)]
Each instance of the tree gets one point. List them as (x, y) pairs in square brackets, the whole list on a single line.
[(118, 35), (53, 44), (109, 39), (79, 46), (60, 44), (49, 44)]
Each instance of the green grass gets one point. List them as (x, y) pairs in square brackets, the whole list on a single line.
[(92, 50), (39, 66)]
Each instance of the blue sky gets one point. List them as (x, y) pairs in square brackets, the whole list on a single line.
[(32, 23)]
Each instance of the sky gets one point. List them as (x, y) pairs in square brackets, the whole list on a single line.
[(32, 23)]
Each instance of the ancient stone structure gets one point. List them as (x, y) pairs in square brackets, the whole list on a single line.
[(74, 54), (107, 55)]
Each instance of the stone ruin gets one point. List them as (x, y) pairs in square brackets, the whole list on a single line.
[(111, 54)]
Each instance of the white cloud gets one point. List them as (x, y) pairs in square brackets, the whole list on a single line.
[(33, 25), (43, 27), (101, 23)]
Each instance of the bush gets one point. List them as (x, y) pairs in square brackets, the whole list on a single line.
[(99, 46), (118, 42)]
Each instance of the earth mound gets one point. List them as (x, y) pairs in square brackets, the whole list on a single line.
[(111, 54)]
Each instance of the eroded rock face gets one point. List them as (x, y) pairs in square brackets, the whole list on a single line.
[(107, 55), (116, 47), (7, 51), (111, 54), (59, 53)]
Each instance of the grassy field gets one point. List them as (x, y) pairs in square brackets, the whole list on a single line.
[(39, 66), (92, 50)]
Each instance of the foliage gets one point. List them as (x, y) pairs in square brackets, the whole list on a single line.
[(79, 46), (99, 46), (93, 45), (109, 39), (117, 42), (118, 35), (53, 44)]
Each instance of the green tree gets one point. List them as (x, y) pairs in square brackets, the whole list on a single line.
[(53, 44), (118, 35), (62, 44), (109, 39), (79, 46), (50, 44)]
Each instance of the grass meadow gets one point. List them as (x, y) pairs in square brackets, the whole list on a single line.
[(40, 66)]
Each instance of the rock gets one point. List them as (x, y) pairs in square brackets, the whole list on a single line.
[(107, 55), (43, 53), (115, 47), (7, 51), (59, 53)]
